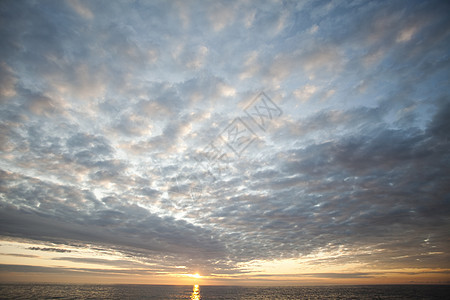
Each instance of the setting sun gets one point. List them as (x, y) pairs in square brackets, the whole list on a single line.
[(196, 275)]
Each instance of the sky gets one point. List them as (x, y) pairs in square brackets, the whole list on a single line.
[(225, 142)]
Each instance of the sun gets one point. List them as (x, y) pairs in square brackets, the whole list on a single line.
[(196, 275)]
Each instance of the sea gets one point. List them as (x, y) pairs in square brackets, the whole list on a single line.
[(72, 291)]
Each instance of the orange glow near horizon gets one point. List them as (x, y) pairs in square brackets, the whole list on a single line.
[(73, 266)]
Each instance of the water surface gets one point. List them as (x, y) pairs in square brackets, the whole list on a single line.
[(60, 291)]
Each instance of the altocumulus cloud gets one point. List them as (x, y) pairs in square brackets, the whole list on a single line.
[(106, 108)]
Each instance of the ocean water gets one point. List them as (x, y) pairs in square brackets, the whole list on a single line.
[(52, 291)]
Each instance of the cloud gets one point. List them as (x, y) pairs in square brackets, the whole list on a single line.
[(63, 271), (49, 249), (7, 82), (20, 255), (81, 9), (100, 261), (108, 111)]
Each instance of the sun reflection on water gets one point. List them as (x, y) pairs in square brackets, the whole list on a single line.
[(196, 293)]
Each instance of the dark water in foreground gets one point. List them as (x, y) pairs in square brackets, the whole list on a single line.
[(51, 291)]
